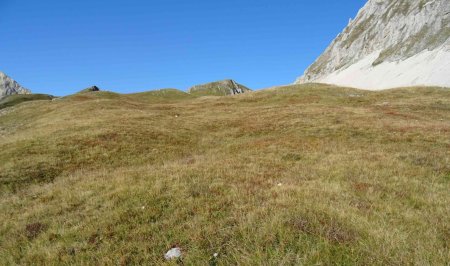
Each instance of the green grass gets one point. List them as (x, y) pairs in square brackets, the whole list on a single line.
[(15, 99), (163, 95), (304, 174)]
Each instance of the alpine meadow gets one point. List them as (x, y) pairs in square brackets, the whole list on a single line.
[(347, 164), (302, 174)]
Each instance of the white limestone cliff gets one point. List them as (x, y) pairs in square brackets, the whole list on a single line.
[(390, 43), (9, 86)]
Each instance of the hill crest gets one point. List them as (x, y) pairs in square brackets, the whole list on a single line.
[(219, 88)]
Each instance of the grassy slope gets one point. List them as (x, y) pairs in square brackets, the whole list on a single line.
[(163, 95), (302, 174), (15, 99)]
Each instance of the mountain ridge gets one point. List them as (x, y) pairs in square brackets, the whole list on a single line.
[(389, 44), (8, 86)]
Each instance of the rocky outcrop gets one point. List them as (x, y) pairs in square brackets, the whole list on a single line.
[(219, 88), (92, 88), (8, 86), (390, 43)]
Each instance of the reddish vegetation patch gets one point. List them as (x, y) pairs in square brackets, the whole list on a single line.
[(392, 112), (93, 239), (362, 205), (407, 129), (302, 225), (327, 228), (361, 187), (34, 229), (337, 234)]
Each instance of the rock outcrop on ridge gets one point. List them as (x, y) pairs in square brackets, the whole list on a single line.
[(92, 88), (219, 88)]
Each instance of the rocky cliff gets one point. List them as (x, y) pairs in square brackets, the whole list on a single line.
[(390, 43), (9, 86)]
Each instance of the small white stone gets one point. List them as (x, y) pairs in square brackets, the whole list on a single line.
[(215, 255), (173, 253), (143, 207), (279, 184)]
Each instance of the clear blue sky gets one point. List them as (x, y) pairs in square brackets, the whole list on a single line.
[(60, 47)]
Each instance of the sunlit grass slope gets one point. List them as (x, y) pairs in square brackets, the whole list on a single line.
[(15, 99), (305, 174)]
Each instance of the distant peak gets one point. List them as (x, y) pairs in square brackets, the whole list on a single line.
[(8, 86)]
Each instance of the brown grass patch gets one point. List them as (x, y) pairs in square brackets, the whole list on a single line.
[(34, 229), (326, 227)]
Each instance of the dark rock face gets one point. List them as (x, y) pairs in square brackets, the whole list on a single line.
[(90, 89), (93, 88), (8, 86)]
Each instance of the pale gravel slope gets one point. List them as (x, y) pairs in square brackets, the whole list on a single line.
[(426, 68)]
